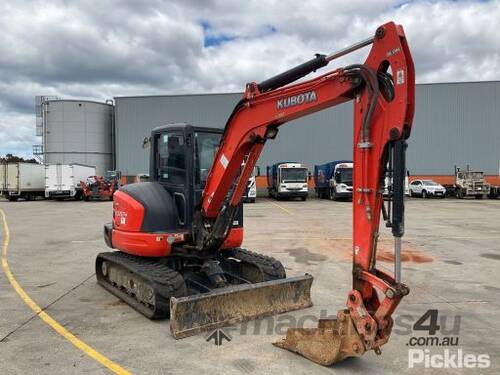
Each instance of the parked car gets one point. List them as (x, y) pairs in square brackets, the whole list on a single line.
[(426, 188)]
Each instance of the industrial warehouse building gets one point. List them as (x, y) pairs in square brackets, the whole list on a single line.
[(455, 124)]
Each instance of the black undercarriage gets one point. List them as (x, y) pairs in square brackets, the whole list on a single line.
[(147, 284)]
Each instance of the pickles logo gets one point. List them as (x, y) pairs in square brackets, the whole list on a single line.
[(439, 347), (291, 101), (447, 359)]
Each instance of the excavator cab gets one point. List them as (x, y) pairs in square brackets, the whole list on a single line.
[(180, 161)]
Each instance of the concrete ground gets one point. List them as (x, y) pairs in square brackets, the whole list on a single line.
[(452, 264)]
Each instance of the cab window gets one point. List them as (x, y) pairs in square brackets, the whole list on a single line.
[(171, 159), (206, 145)]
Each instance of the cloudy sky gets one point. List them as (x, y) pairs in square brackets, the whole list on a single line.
[(98, 49)]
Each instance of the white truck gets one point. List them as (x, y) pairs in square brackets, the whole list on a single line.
[(388, 182), (63, 180), (333, 180), (22, 180), (287, 180)]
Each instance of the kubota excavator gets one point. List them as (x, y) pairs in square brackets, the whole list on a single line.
[(178, 237)]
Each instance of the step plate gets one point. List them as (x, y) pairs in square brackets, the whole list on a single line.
[(227, 306)]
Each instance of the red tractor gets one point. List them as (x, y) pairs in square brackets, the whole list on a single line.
[(99, 187)]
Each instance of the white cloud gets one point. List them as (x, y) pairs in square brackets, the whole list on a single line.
[(95, 49), (17, 134)]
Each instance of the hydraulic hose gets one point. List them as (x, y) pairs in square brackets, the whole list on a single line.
[(370, 78)]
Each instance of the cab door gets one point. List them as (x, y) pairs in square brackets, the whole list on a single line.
[(171, 171), (206, 145)]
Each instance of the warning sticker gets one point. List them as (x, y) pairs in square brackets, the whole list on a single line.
[(223, 160), (400, 77)]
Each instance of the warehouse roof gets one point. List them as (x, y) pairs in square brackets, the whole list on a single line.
[(241, 93)]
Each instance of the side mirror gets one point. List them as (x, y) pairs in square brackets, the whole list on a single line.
[(145, 142)]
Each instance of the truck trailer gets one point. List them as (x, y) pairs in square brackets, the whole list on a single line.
[(333, 180), (22, 180), (287, 180), (3, 178), (64, 180)]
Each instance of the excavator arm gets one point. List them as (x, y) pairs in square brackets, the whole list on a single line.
[(382, 89)]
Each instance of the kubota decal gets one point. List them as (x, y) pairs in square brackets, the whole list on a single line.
[(298, 99)]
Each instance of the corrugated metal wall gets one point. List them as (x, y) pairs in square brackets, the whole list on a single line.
[(455, 123), (136, 116)]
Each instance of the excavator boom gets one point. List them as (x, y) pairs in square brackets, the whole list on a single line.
[(382, 89)]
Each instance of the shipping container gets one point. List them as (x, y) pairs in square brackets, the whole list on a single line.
[(63, 180), (23, 180)]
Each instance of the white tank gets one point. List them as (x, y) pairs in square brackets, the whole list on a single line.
[(78, 131)]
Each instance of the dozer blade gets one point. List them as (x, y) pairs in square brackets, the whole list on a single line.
[(226, 306), (333, 340)]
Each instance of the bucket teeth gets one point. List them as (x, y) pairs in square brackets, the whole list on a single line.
[(333, 340)]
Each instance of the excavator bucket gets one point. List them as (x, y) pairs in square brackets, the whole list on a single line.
[(333, 340), (226, 306)]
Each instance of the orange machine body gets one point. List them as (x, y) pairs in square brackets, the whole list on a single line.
[(126, 235)]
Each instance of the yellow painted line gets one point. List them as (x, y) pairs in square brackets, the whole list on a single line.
[(91, 352), (283, 208)]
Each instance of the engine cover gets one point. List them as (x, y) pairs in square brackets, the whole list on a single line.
[(145, 207), (144, 220)]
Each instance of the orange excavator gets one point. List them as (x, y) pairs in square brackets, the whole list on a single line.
[(178, 237)]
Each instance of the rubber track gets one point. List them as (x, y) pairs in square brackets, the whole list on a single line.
[(166, 282), (270, 267)]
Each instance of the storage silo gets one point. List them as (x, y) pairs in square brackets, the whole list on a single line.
[(78, 131)]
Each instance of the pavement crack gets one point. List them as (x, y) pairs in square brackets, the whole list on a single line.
[(4, 339)]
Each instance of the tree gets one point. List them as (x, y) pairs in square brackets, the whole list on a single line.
[(10, 158)]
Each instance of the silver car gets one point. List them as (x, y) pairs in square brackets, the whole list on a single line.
[(426, 188)]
